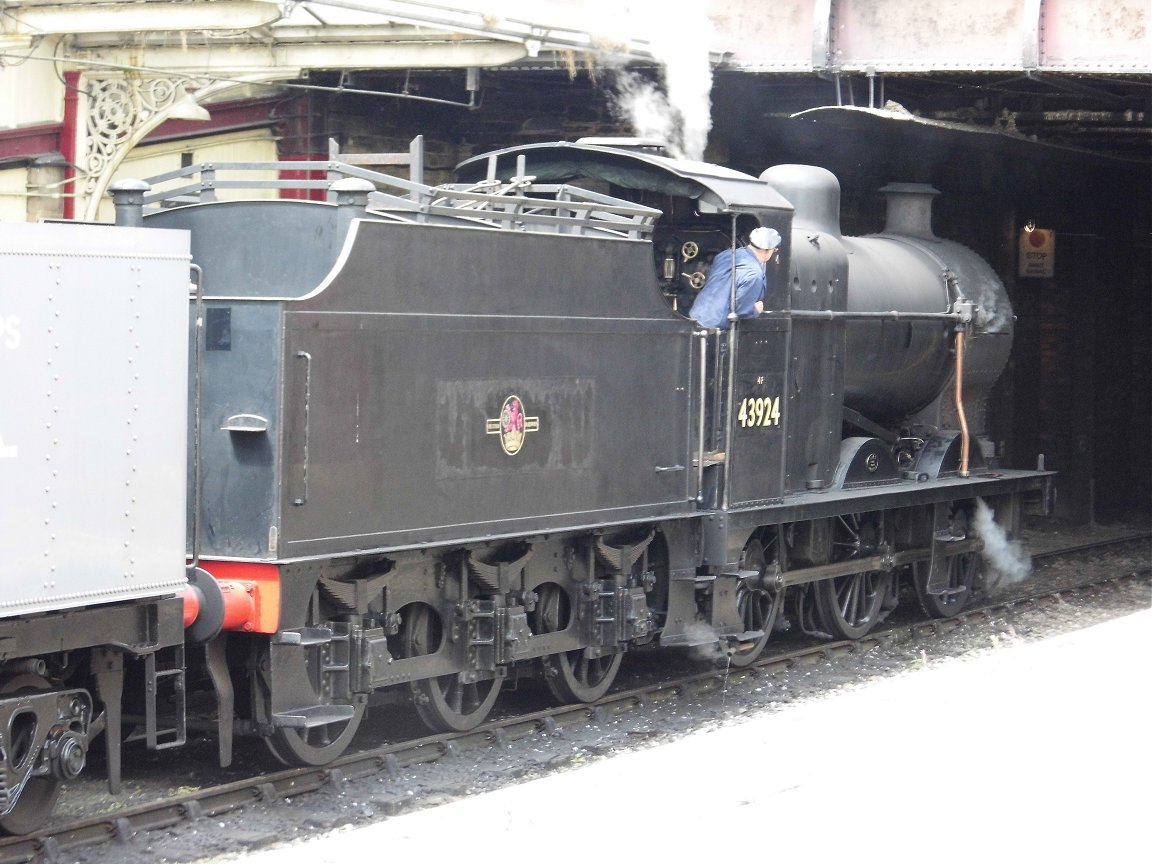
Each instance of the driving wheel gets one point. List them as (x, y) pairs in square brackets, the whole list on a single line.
[(445, 703), (757, 603), (571, 676), (851, 605)]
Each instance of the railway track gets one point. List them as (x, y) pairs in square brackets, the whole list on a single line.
[(390, 760)]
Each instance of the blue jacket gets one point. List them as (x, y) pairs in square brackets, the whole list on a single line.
[(711, 306)]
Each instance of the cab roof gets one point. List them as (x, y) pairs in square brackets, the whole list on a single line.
[(715, 188)]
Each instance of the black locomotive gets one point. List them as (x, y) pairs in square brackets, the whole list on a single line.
[(443, 437)]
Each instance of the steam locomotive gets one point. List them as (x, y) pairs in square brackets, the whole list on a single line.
[(414, 442)]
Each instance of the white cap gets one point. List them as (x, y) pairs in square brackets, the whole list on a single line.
[(764, 238)]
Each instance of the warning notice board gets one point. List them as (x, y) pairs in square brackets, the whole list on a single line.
[(1037, 253)]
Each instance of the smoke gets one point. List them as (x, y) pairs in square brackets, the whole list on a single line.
[(705, 644), (1007, 561), (982, 285), (995, 311), (678, 109)]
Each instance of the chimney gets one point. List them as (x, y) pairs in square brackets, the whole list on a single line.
[(910, 209)]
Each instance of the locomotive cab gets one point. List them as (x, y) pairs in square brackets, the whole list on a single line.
[(704, 209)]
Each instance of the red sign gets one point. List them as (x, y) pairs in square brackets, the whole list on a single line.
[(1037, 253)]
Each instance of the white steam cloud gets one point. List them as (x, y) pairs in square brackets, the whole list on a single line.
[(705, 644), (678, 110), (1007, 561)]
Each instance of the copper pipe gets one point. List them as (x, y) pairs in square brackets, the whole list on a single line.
[(964, 439)]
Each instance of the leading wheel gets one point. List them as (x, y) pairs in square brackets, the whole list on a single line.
[(851, 605), (757, 603), (38, 799), (445, 703), (571, 676)]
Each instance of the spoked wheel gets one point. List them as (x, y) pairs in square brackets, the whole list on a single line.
[(444, 703), (332, 724), (570, 675), (757, 603), (964, 573), (850, 605), (38, 799)]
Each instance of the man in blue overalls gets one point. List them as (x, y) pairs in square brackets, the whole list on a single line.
[(711, 306)]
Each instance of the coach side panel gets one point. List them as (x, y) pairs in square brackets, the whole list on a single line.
[(92, 414)]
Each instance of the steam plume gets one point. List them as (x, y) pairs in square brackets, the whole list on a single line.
[(1007, 561), (679, 112), (705, 644)]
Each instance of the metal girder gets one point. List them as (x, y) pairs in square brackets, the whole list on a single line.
[(261, 28), (895, 36), (285, 62), (869, 36), (38, 19), (549, 26)]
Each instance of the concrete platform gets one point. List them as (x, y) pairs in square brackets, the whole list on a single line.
[(1039, 751)]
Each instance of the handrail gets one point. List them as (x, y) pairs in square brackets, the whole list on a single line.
[(518, 204)]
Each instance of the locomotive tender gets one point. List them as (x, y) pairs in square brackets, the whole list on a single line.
[(442, 437)]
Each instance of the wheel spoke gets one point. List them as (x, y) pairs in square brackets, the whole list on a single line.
[(583, 671), (848, 598), (454, 696)]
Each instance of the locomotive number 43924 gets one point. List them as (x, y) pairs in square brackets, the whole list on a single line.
[(759, 411)]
